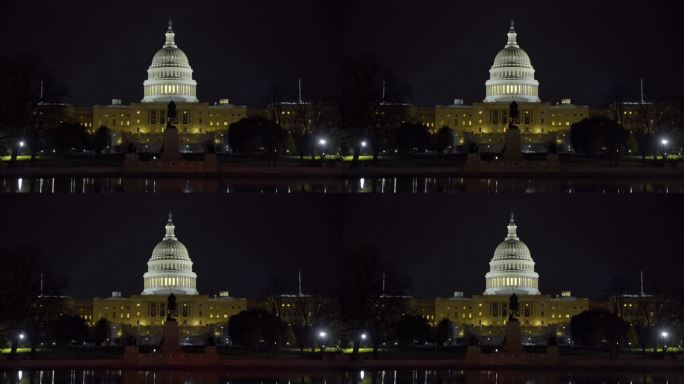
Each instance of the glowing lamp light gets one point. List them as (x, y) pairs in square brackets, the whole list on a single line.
[(363, 143), (363, 336), (664, 334), (21, 143), (322, 141), (21, 336), (322, 334), (664, 142)]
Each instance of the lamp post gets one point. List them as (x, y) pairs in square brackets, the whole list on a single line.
[(322, 336), (665, 143), (664, 335), (322, 143)]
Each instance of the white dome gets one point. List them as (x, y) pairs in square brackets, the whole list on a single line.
[(511, 78), (169, 270), (170, 75), (170, 57), (511, 270)]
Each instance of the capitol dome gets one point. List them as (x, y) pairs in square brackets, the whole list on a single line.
[(512, 268), (169, 270), (511, 78), (170, 75)]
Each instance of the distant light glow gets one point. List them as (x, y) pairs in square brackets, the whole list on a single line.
[(322, 141), (363, 336), (664, 334), (21, 336), (363, 143), (322, 334), (21, 143), (664, 141)]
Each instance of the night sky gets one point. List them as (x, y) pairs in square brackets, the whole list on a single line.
[(442, 243), (443, 49)]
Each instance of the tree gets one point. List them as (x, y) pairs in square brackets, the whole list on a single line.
[(654, 311), (101, 332), (596, 135), (370, 104), (101, 139), (369, 296), (655, 118), (443, 332), (599, 327), (257, 327), (412, 329), (30, 103), (444, 139), (70, 137), (409, 137), (70, 329), (29, 295), (256, 135)]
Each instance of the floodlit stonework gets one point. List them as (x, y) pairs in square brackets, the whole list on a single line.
[(169, 77)]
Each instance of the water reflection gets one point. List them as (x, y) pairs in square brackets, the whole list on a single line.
[(351, 377), (380, 185)]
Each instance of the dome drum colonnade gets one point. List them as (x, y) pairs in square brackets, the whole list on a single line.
[(512, 267)]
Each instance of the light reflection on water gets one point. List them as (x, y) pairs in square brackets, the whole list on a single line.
[(380, 185), (351, 377)]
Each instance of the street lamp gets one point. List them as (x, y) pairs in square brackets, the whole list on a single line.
[(665, 143), (21, 336), (322, 142), (322, 335), (664, 335), (363, 143), (21, 144), (363, 336)]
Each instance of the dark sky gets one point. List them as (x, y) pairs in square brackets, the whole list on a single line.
[(442, 243), (442, 48)]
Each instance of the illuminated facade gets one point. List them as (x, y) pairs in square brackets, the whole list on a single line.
[(511, 79), (169, 77), (511, 271)]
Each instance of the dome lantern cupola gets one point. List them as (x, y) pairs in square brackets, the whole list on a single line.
[(169, 270), (170, 36), (169, 77), (511, 78), (511, 270)]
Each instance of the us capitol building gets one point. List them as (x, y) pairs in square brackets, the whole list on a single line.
[(511, 272), (511, 79), (169, 270), (169, 77)]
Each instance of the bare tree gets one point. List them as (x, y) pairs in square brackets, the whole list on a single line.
[(370, 296), (30, 103), (371, 96), (30, 292)]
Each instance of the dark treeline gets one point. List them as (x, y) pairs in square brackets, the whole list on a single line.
[(364, 306)]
